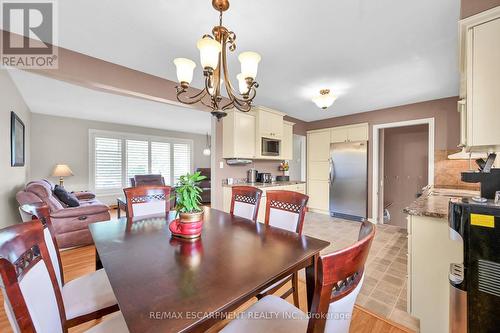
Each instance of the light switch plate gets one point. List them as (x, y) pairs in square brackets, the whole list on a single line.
[(221, 165)]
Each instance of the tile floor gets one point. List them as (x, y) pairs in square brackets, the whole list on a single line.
[(384, 288)]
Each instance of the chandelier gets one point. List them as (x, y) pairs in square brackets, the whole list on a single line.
[(213, 57)]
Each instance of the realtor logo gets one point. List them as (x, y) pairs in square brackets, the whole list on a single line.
[(35, 20)]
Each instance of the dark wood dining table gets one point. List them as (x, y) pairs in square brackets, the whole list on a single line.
[(166, 284)]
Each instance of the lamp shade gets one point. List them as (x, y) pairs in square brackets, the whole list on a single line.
[(325, 99), (62, 170), (249, 64), (185, 68), (206, 151), (242, 84), (209, 52)]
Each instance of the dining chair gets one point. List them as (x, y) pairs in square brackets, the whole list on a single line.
[(85, 298), (285, 210), (33, 300), (339, 279), (245, 202), (147, 200)]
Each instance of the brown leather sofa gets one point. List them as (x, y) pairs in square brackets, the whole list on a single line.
[(70, 223)]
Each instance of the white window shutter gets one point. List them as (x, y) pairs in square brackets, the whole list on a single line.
[(108, 163), (137, 158), (160, 160)]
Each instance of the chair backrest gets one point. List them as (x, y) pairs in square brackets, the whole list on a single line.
[(40, 212), (147, 200), (147, 180), (286, 210), (245, 202), (339, 280), (32, 297)]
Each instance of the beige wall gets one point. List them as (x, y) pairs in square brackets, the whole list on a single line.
[(66, 140), (472, 7), (12, 178)]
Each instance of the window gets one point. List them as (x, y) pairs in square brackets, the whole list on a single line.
[(117, 157)]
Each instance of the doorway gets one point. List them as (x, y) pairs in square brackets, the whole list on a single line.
[(403, 170), (298, 162), (378, 177)]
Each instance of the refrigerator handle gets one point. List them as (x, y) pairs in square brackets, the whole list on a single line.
[(331, 171)]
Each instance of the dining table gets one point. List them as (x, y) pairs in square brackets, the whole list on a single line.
[(168, 284)]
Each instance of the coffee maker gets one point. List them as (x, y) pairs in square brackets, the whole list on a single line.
[(487, 176)]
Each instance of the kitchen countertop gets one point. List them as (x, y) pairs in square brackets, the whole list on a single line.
[(434, 201), (264, 185)]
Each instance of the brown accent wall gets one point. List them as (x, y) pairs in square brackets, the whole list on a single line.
[(405, 169), (446, 123), (472, 7)]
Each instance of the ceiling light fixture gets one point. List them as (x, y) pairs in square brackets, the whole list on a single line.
[(213, 58), (325, 99)]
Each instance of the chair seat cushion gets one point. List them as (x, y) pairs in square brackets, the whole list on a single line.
[(275, 284), (114, 323), (270, 314), (87, 294)]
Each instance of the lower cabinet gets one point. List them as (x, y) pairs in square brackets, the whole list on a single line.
[(430, 253), (261, 216), (319, 194)]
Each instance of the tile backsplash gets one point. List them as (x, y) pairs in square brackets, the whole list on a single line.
[(447, 172)]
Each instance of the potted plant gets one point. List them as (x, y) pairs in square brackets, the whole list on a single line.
[(188, 206)]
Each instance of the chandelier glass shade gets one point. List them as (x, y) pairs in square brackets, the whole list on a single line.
[(325, 99), (213, 58)]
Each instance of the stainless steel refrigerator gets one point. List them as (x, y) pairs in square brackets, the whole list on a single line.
[(349, 180)]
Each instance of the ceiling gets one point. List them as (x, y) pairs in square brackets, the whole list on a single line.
[(53, 97), (372, 54)]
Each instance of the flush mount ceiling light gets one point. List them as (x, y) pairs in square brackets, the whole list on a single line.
[(325, 99), (213, 57)]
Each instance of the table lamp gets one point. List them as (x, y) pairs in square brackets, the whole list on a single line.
[(61, 171)]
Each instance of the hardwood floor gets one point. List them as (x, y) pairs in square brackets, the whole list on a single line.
[(80, 261)]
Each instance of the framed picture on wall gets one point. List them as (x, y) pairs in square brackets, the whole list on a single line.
[(17, 149)]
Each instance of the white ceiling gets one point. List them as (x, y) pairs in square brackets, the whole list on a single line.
[(371, 53), (53, 97)]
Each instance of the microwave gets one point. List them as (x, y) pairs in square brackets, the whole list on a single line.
[(270, 147)]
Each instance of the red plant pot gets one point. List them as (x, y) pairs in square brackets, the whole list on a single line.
[(189, 225)]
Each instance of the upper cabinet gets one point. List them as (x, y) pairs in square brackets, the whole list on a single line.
[(238, 135), (480, 81), (243, 133), (269, 123), (358, 132)]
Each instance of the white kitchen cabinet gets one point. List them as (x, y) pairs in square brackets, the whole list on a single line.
[(269, 123), (480, 81), (358, 132), (318, 155), (430, 253), (287, 142), (238, 135)]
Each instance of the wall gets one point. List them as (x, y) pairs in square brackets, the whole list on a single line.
[(11, 178), (472, 7), (444, 112), (406, 161), (66, 140)]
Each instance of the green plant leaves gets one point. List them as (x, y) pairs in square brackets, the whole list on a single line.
[(187, 193)]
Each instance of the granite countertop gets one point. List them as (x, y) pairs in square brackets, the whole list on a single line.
[(434, 201), (263, 185)]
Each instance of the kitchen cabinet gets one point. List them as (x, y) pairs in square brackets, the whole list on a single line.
[(269, 123), (430, 253), (318, 155), (239, 135), (287, 142), (358, 132), (480, 81), (261, 215)]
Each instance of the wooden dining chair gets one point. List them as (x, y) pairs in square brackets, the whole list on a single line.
[(32, 297), (147, 200), (285, 210), (339, 280), (245, 202), (86, 298)]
